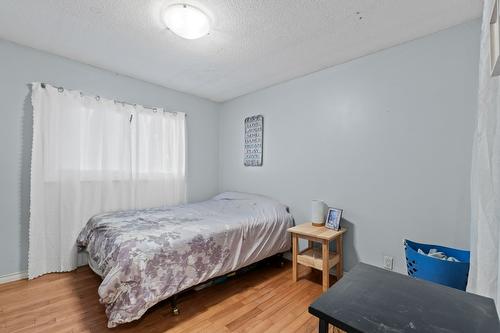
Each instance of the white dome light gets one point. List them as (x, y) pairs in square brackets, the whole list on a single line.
[(186, 21)]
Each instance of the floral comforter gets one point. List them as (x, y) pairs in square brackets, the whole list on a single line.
[(145, 256)]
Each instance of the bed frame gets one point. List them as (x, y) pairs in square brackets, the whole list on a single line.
[(276, 259)]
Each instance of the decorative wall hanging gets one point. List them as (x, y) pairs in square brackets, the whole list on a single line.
[(254, 140)]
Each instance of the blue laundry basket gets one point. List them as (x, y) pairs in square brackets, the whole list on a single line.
[(448, 273)]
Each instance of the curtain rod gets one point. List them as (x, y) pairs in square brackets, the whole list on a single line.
[(97, 97)]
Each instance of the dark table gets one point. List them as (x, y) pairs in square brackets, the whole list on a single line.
[(371, 299)]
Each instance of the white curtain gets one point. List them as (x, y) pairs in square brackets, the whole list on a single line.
[(92, 155), (485, 179)]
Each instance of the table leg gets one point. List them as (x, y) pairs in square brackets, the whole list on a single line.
[(340, 265), (326, 268), (323, 326), (295, 249)]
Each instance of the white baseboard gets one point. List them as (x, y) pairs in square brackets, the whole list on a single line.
[(13, 277)]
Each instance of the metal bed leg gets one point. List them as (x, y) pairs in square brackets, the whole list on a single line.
[(280, 260), (173, 305)]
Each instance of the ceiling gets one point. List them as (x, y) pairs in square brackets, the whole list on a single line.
[(253, 43)]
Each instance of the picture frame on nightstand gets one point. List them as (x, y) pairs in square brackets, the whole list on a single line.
[(333, 218)]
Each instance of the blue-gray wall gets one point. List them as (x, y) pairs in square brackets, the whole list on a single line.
[(386, 137), (20, 66)]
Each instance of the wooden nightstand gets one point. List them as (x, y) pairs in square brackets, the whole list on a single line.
[(324, 259)]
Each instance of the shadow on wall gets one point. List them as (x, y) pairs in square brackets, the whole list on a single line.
[(27, 140), (350, 255)]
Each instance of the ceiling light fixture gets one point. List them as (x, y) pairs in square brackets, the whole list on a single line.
[(186, 21)]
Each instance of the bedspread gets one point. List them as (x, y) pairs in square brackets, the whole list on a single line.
[(145, 256)]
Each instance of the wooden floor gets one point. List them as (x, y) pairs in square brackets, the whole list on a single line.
[(262, 300)]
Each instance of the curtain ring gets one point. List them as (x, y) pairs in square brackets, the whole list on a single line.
[(97, 98), (60, 89)]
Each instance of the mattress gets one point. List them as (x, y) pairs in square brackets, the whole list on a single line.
[(145, 256)]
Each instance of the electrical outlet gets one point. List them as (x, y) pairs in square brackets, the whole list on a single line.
[(388, 262)]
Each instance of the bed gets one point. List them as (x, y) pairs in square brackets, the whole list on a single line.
[(146, 256)]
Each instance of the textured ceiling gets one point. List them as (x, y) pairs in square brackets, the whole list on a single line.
[(253, 43)]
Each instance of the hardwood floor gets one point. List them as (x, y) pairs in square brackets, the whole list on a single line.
[(262, 300)]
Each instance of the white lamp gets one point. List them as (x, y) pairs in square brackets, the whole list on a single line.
[(318, 211), (186, 21)]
